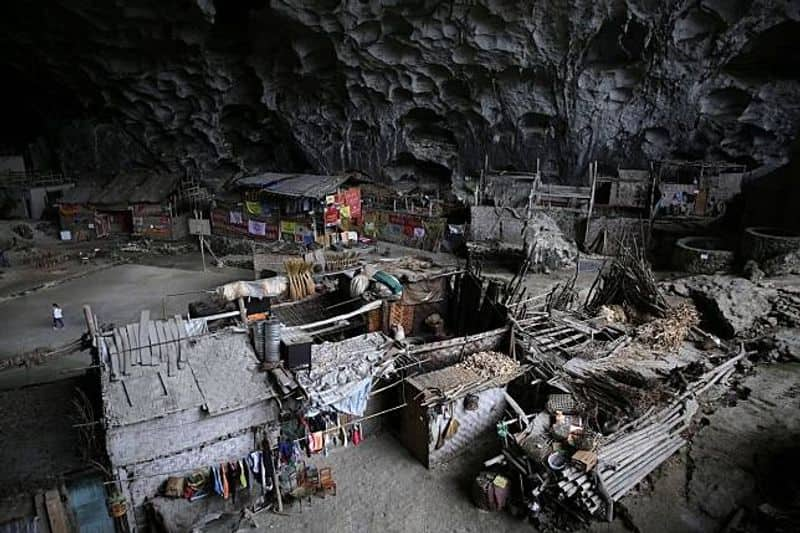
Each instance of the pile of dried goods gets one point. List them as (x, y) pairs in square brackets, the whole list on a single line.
[(668, 333), (489, 364)]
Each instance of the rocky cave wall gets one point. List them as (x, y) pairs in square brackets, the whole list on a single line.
[(406, 90)]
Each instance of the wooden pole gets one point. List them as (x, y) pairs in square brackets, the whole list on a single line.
[(87, 315), (593, 177), (203, 252), (242, 311)]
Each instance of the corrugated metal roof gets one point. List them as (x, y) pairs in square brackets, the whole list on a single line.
[(299, 185), (124, 189), (137, 188)]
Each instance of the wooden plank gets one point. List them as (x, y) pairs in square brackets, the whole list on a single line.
[(183, 345), (162, 341), (155, 350), (124, 352), (133, 340), (169, 327), (176, 347), (170, 355), (145, 355), (548, 332), (56, 515), (567, 340), (41, 513), (112, 358)]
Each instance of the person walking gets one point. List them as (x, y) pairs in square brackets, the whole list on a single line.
[(58, 317)]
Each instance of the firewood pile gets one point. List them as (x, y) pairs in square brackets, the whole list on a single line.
[(571, 470), (627, 280)]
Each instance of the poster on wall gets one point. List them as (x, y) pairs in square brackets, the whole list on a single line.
[(352, 198), (331, 215)]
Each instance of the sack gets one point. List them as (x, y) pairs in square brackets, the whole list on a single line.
[(173, 488)]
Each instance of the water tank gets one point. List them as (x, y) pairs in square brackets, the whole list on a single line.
[(267, 340)]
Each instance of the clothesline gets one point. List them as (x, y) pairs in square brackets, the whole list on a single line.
[(272, 449)]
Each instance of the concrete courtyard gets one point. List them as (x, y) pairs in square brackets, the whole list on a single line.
[(117, 294)]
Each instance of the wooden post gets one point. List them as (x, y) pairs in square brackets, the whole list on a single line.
[(242, 311), (654, 183), (276, 484), (593, 177), (87, 315), (203, 252)]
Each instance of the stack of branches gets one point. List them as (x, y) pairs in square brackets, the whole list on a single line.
[(301, 284), (667, 334), (627, 280), (617, 395), (563, 295)]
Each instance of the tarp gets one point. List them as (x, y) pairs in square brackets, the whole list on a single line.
[(271, 287)]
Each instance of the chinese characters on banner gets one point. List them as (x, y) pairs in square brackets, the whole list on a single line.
[(346, 204)]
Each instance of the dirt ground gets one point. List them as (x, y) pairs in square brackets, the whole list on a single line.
[(735, 460)]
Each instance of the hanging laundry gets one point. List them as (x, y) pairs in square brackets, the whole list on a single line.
[(242, 475), (235, 217), (254, 461), (254, 208), (218, 488), (316, 441), (226, 488), (330, 199), (344, 211), (255, 227), (286, 450), (267, 469), (356, 437)]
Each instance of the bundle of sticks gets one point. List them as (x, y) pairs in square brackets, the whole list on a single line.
[(301, 284), (628, 279), (637, 449)]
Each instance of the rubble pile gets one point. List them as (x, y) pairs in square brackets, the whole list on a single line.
[(489, 364), (729, 305), (782, 265), (146, 246)]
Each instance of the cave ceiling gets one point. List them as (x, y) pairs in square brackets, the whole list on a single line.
[(400, 90)]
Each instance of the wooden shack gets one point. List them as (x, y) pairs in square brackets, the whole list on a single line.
[(300, 208), (145, 205), (448, 409)]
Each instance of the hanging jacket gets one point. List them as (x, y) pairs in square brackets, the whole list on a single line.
[(242, 475), (217, 480)]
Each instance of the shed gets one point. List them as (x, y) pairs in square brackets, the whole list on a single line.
[(176, 399), (301, 208), (449, 408), (139, 203)]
